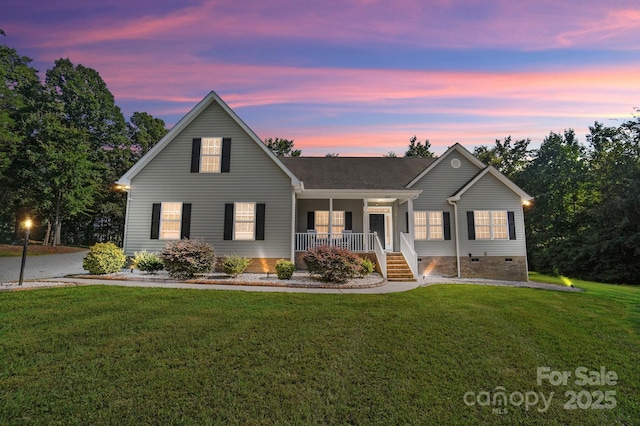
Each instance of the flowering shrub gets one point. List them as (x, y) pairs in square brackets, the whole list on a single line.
[(185, 258), (147, 262), (332, 264), (284, 269), (234, 265), (104, 258)]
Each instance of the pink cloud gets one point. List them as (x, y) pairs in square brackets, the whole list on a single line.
[(443, 24)]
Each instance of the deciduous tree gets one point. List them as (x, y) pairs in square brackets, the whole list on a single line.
[(282, 147)]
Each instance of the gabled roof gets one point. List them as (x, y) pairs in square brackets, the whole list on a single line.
[(356, 172), (455, 148), (184, 122), (494, 172)]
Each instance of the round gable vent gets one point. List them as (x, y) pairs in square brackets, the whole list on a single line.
[(455, 163)]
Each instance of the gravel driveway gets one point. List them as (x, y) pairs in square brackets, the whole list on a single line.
[(42, 266)]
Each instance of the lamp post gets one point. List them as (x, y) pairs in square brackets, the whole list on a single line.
[(27, 226)]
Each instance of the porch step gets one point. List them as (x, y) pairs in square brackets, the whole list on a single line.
[(397, 268)]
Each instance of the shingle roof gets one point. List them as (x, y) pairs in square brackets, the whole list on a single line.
[(356, 172)]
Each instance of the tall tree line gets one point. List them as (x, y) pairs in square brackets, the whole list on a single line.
[(63, 144), (585, 218)]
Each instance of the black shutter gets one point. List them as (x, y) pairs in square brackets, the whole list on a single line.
[(226, 155), (155, 221), (195, 155), (512, 225), (228, 221), (185, 223), (260, 218), (471, 225), (311, 220), (348, 221), (446, 223), (406, 216)]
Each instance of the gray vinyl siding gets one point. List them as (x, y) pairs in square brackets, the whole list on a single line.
[(438, 185), (253, 177), (490, 194)]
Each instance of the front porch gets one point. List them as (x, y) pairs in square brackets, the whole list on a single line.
[(365, 222), (394, 266)]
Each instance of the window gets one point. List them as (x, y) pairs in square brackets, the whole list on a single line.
[(337, 222), (428, 225), (210, 155), (244, 221), (170, 219), (491, 225)]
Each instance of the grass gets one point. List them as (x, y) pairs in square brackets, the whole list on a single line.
[(115, 355), (9, 250)]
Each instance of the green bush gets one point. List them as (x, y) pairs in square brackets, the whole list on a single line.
[(235, 265), (147, 262), (366, 267), (332, 264), (285, 269), (185, 258), (104, 258)]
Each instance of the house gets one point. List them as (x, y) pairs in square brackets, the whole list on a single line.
[(211, 177)]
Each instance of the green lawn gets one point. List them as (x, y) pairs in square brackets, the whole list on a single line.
[(96, 355)]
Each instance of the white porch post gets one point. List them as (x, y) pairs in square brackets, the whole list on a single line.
[(293, 226), (410, 222), (365, 224), (330, 218)]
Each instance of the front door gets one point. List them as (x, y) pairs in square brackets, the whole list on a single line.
[(376, 224)]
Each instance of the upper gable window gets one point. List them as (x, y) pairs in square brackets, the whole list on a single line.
[(210, 155)]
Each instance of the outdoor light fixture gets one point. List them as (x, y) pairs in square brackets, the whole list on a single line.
[(27, 225)]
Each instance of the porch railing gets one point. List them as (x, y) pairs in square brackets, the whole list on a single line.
[(409, 253), (356, 241), (381, 255)]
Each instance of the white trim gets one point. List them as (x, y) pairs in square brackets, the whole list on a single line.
[(457, 148), (387, 211), (502, 178), (345, 194), (184, 122)]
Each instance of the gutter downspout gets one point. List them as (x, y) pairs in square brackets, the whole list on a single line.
[(455, 218), (293, 225)]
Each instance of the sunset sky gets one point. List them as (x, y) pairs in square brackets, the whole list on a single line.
[(357, 77)]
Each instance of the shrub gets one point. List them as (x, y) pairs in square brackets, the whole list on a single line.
[(185, 258), (284, 269), (235, 265), (366, 267), (332, 264), (104, 258), (147, 262)]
